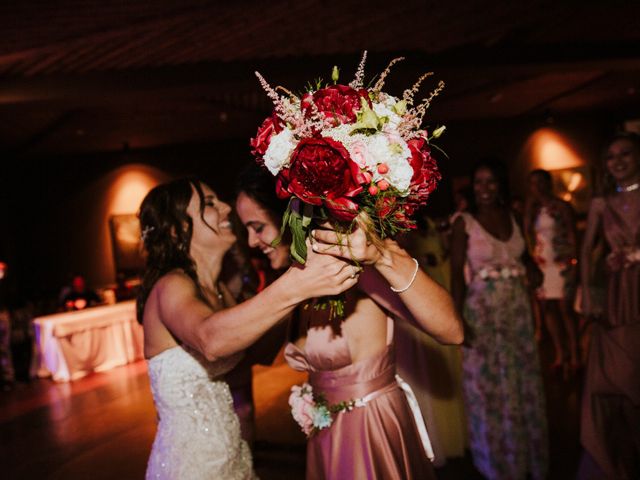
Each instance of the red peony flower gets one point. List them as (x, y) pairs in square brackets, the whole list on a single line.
[(322, 173), (425, 174), (338, 103), (271, 126)]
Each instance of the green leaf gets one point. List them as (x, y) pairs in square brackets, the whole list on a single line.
[(285, 221), (307, 215), (298, 245)]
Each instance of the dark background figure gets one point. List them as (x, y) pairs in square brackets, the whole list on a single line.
[(23, 311), (123, 290), (7, 376), (79, 296)]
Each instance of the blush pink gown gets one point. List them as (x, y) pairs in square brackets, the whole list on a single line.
[(377, 441), (610, 424)]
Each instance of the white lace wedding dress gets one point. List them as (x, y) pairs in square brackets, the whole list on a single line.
[(198, 433)]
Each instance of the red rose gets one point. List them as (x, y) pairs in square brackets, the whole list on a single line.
[(271, 125), (425, 174), (338, 103), (322, 173)]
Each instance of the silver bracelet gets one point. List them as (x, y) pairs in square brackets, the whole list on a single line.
[(413, 278)]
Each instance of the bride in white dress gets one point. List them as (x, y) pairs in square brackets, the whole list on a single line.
[(194, 333)]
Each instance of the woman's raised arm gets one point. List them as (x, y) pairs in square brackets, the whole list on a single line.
[(429, 304), (222, 333)]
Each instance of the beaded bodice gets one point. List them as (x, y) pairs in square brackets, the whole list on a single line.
[(198, 431)]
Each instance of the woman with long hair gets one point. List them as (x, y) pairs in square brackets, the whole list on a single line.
[(194, 333), (502, 384), (610, 424), (373, 432)]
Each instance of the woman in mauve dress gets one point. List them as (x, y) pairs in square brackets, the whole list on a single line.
[(352, 357), (610, 424)]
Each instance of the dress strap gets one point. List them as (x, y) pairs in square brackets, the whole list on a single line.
[(390, 330), (417, 416)]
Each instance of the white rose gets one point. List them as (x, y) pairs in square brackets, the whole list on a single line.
[(279, 151), (396, 156)]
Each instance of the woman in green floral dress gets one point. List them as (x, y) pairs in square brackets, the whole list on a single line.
[(501, 372)]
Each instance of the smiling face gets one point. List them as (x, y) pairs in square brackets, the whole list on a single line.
[(486, 187), (210, 217), (262, 230), (623, 161)]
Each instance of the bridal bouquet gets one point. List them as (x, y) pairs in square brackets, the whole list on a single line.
[(350, 154)]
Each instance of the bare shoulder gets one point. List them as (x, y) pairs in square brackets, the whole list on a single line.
[(173, 289), (165, 299), (175, 281)]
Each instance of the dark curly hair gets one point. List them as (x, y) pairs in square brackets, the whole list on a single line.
[(499, 171), (258, 184), (166, 233)]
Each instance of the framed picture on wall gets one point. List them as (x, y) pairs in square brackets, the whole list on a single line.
[(126, 244)]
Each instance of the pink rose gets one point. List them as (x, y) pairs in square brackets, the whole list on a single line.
[(302, 407), (360, 154)]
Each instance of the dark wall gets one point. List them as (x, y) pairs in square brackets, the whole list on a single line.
[(55, 210)]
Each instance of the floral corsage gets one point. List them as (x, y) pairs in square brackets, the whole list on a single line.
[(312, 411)]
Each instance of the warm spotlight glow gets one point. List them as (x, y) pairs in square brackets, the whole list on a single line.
[(574, 181), (550, 151), (128, 190)]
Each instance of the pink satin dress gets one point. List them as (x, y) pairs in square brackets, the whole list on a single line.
[(377, 441), (610, 423)]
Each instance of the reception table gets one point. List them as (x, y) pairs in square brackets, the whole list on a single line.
[(73, 344)]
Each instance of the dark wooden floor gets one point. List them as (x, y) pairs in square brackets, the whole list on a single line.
[(102, 427)]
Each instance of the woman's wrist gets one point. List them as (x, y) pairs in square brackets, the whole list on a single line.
[(397, 267), (289, 286)]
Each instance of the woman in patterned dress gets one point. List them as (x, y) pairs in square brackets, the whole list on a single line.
[(550, 231), (501, 373)]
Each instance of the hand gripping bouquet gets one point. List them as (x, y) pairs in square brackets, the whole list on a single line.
[(349, 154)]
